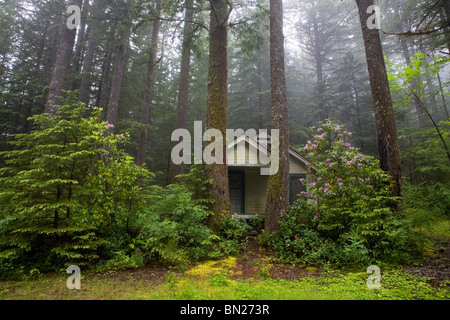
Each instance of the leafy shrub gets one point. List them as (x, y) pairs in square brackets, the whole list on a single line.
[(350, 191), (344, 218), (400, 244), (231, 237), (433, 198), (256, 223), (173, 226), (298, 242), (63, 183), (121, 250)]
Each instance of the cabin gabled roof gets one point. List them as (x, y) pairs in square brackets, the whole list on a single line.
[(254, 141)]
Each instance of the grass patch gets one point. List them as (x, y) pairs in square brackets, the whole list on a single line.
[(211, 281)]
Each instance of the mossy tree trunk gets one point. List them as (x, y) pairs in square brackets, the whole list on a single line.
[(388, 146), (278, 189), (216, 113)]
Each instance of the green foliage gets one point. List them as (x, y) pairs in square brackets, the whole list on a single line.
[(299, 242), (431, 162), (231, 237), (350, 190), (62, 184), (195, 181), (173, 226), (426, 156), (420, 67), (432, 198), (256, 223), (344, 218)]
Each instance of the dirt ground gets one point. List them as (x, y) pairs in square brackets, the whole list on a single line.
[(436, 268), (253, 262)]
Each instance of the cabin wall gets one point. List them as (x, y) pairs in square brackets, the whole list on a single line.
[(296, 167), (255, 192), (256, 187)]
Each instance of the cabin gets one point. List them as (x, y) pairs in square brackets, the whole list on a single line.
[(248, 188)]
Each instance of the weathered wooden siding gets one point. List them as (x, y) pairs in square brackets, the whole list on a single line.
[(255, 192), (249, 157), (296, 166)]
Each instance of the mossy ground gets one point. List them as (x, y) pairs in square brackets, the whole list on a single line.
[(254, 275)]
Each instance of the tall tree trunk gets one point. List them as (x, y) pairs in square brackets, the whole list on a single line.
[(358, 112), (79, 46), (183, 86), (278, 189), (116, 83), (441, 91), (318, 42), (145, 115), (88, 61), (260, 94), (62, 65), (85, 85), (104, 87), (388, 146), (216, 112), (447, 15), (54, 35), (407, 56)]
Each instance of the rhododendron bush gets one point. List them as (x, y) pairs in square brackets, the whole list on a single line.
[(349, 191)]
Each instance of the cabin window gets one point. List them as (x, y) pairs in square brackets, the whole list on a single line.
[(295, 186)]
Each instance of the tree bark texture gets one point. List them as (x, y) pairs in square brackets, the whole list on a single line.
[(183, 86), (88, 60), (278, 188), (216, 113), (447, 30), (62, 65), (105, 86), (145, 115), (388, 146), (80, 45), (116, 82)]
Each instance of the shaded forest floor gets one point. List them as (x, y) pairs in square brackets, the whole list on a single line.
[(437, 267), (252, 275)]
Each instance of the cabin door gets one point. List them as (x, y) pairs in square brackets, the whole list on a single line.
[(237, 196)]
